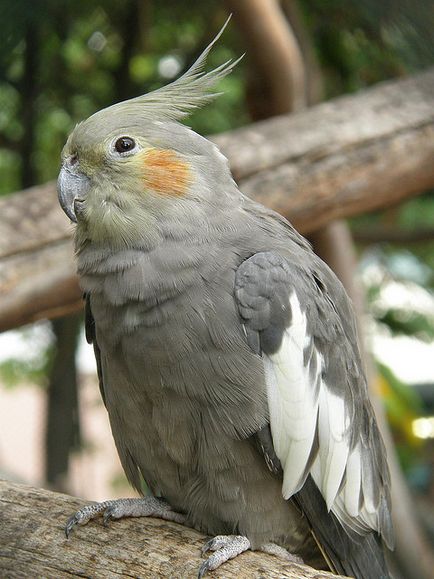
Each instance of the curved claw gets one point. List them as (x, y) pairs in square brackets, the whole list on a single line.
[(107, 517), (70, 524), (81, 517), (203, 569), (207, 546)]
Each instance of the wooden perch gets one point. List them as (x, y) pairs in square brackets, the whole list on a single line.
[(340, 158), (33, 544)]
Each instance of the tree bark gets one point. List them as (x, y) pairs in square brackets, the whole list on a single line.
[(314, 84), (339, 158), (276, 79), (344, 157), (33, 544)]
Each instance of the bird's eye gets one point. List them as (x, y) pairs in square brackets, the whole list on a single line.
[(125, 144)]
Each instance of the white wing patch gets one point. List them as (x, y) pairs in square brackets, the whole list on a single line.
[(301, 405), (333, 426), (293, 400)]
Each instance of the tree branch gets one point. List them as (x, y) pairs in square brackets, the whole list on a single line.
[(341, 158), (392, 235), (277, 76), (33, 544)]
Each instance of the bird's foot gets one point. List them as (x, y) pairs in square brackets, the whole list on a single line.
[(227, 547), (116, 509)]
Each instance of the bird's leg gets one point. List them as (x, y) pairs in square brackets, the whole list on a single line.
[(116, 509), (227, 547)]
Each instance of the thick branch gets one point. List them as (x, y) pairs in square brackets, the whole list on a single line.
[(340, 158), (33, 544)]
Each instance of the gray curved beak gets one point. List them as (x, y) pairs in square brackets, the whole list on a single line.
[(72, 185)]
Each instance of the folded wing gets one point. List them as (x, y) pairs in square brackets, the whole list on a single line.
[(297, 316)]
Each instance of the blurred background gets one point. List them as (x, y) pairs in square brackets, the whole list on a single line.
[(60, 61)]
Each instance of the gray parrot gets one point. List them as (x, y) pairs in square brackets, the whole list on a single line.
[(226, 349)]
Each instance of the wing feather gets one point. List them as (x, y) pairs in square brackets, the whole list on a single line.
[(353, 483), (293, 406), (334, 443), (321, 420)]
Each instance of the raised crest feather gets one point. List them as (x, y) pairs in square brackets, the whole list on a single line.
[(190, 91)]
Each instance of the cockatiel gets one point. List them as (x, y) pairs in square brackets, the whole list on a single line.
[(226, 349)]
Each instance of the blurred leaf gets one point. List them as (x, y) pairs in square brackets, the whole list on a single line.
[(402, 405), (408, 323), (14, 371)]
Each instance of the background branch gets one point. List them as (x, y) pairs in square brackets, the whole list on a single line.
[(369, 235), (337, 159), (277, 77)]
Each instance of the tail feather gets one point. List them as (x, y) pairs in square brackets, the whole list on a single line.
[(346, 552)]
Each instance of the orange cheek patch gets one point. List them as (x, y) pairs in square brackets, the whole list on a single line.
[(165, 173)]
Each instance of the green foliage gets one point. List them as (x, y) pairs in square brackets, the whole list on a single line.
[(34, 363), (404, 400), (14, 371), (415, 212), (404, 276), (403, 405), (363, 42), (88, 55), (409, 323)]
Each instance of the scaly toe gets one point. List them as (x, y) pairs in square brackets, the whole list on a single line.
[(119, 508), (225, 547), (82, 517), (215, 543)]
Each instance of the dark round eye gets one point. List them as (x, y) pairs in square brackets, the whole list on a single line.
[(125, 144)]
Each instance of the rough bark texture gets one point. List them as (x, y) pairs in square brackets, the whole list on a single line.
[(277, 77), (33, 544), (340, 158)]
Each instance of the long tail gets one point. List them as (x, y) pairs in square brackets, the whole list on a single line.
[(361, 557)]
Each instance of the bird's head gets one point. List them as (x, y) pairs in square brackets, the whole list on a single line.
[(131, 164)]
